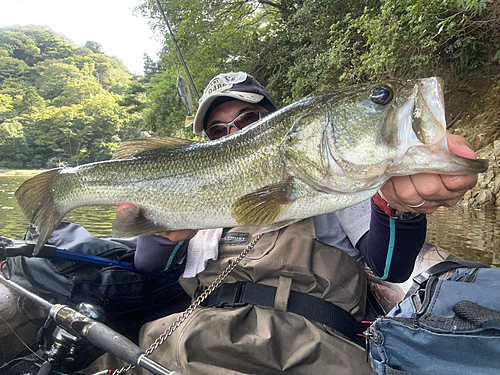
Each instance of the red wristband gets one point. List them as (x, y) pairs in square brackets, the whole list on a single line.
[(383, 205), (392, 212)]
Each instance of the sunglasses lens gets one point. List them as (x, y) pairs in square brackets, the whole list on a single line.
[(221, 130), (246, 119), (216, 132)]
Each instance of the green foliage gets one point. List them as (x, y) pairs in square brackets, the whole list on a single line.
[(94, 47), (11, 68), (61, 104), (165, 115), (296, 48), (409, 38)]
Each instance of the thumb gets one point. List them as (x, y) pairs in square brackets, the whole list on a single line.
[(459, 145)]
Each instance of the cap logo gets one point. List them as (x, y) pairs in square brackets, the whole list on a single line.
[(223, 82)]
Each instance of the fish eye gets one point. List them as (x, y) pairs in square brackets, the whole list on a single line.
[(381, 95)]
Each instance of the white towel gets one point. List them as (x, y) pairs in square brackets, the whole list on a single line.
[(201, 248)]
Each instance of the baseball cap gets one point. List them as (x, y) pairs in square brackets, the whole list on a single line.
[(227, 86)]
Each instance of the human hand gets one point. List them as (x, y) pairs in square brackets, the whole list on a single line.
[(172, 235), (402, 192)]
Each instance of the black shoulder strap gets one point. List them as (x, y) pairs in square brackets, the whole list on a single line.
[(439, 269)]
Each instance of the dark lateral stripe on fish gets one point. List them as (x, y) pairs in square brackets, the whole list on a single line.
[(35, 198)]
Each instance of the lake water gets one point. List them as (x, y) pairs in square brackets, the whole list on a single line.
[(471, 234)]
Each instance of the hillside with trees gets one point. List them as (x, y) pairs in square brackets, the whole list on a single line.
[(62, 104), (297, 48)]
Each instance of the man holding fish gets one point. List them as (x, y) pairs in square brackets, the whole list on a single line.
[(292, 188), (309, 257)]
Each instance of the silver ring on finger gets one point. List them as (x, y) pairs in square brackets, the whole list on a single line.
[(417, 205)]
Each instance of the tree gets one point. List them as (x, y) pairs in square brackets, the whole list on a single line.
[(65, 83), (64, 107), (20, 46), (151, 68), (165, 115), (296, 48), (94, 47), (11, 68)]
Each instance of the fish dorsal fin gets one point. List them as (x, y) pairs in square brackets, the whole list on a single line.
[(135, 147), (263, 206)]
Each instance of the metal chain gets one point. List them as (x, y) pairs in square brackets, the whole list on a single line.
[(215, 284)]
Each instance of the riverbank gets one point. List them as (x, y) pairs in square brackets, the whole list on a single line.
[(473, 111), (19, 172), (487, 190)]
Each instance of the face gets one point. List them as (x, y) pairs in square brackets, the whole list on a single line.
[(227, 112)]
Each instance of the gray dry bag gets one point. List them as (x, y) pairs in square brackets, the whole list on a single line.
[(445, 325)]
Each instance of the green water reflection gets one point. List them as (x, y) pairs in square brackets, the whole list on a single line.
[(470, 234), (96, 219)]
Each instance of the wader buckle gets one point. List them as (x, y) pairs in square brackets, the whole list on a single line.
[(229, 295)]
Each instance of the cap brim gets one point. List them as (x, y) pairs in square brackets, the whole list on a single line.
[(200, 113)]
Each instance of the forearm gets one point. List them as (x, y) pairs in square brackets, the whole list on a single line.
[(157, 254), (391, 246)]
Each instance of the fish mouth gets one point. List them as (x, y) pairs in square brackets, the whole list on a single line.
[(421, 120), (423, 159), (421, 136)]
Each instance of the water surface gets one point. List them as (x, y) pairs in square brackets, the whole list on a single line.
[(471, 234), (96, 219)]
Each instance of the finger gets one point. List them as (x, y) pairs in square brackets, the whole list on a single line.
[(431, 187), (401, 192), (459, 145), (459, 183), (127, 211), (123, 206)]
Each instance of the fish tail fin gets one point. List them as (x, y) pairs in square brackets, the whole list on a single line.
[(35, 198)]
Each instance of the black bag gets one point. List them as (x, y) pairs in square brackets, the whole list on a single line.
[(127, 298)]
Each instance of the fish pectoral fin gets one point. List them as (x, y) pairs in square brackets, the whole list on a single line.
[(136, 147), (261, 207), (131, 222)]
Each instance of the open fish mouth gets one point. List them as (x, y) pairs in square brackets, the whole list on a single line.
[(421, 119)]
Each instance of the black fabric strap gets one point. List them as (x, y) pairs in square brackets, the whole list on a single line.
[(438, 269), (312, 308)]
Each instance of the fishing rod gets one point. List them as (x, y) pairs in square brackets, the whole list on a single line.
[(12, 249), (177, 48), (97, 333)]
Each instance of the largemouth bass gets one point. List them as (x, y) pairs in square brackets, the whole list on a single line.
[(318, 155)]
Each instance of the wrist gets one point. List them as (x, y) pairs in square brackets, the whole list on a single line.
[(381, 203)]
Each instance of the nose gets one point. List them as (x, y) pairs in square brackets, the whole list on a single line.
[(232, 130)]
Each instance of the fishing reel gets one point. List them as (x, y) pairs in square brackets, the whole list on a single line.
[(57, 351), (66, 352), (71, 327)]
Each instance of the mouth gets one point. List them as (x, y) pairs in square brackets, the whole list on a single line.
[(421, 120)]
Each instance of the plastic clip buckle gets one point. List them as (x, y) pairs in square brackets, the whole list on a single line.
[(230, 295)]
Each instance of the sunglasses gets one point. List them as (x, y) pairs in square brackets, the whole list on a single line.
[(222, 129)]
